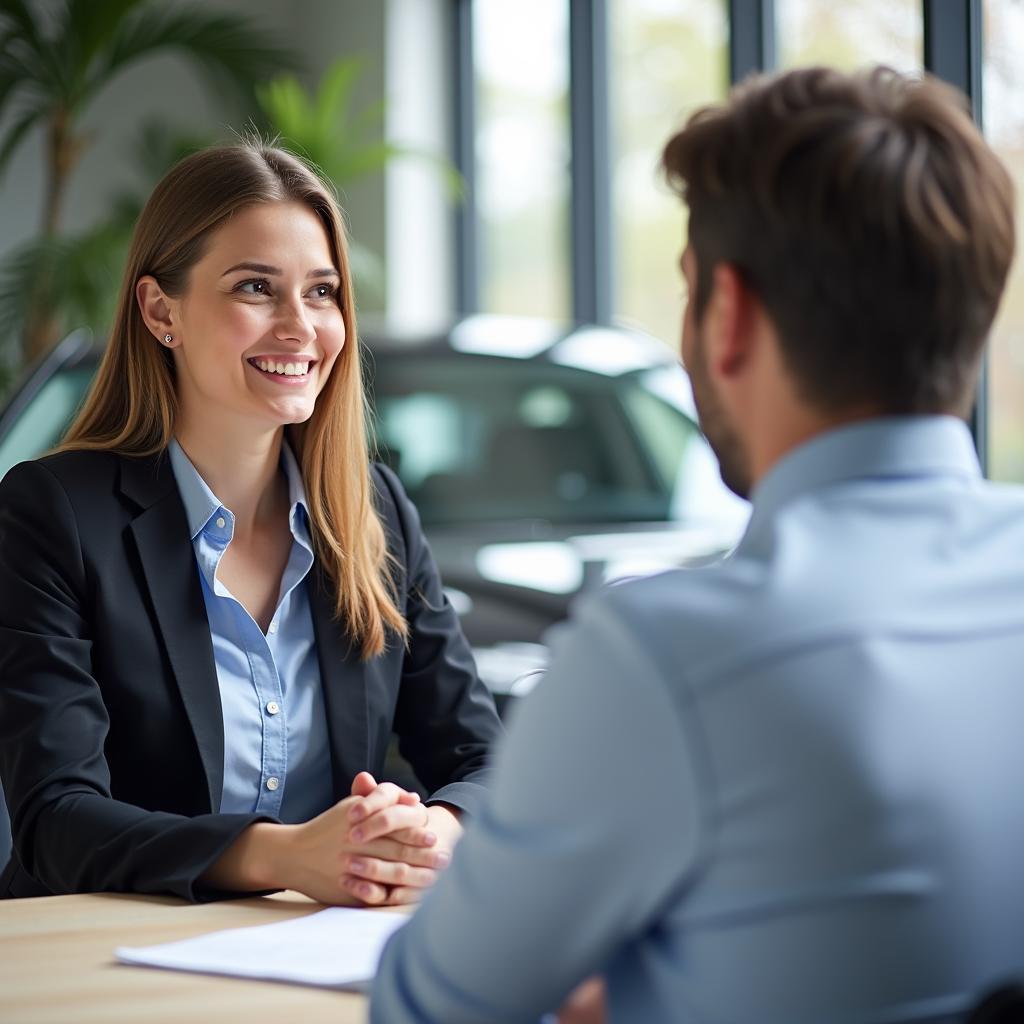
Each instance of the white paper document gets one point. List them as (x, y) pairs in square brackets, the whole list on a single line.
[(336, 948)]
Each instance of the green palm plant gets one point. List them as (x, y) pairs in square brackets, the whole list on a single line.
[(344, 141), (86, 266), (53, 63)]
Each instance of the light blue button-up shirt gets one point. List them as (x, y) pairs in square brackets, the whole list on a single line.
[(276, 753), (783, 789)]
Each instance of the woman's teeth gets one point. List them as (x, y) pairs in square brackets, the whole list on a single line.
[(288, 369)]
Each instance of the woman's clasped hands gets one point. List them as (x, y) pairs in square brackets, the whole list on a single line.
[(379, 846), (396, 846)]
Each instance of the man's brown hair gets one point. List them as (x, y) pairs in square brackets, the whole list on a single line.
[(870, 218)]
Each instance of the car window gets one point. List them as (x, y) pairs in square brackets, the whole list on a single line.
[(488, 438), (44, 420)]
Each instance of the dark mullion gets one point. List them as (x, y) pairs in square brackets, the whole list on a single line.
[(952, 45), (751, 37), (952, 51), (591, 225), (467, 248)]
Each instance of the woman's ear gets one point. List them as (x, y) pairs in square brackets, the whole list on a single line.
[(156, 310)]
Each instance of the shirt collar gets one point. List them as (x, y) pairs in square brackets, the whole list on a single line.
[(884, 448), (298, 508), (201, 504)]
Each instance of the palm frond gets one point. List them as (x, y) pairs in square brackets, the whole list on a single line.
[(19, 17), (287, 107), (75, 279), (87, 26), (334, 97), (10, 77), (327, 130), (28, 52), (15, 133), (19, 274), (227, 48), (347, 163), (28, 58)]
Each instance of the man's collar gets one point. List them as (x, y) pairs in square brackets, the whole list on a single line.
[(891, 447)]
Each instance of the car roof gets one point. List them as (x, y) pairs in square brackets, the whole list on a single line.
[(606, 350)]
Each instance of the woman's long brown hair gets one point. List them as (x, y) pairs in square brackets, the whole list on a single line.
[(132, 405)]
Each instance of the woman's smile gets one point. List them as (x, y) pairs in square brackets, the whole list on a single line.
[(282, 369)]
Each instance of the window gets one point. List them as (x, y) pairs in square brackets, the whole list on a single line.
[(664, 58), (521, 60), (1003, 89), (850, 34), (668, 57)]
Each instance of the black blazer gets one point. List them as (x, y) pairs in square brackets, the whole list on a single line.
[(111, 732)]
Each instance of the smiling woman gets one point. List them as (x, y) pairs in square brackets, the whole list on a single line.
[(224, 609), (241, 340)]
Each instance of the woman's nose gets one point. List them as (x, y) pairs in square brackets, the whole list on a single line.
[(293, 321)]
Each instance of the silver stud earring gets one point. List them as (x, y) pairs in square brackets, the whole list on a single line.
[(168, 338)]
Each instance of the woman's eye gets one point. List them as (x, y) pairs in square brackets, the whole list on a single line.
[(324, 291), (256, 287)]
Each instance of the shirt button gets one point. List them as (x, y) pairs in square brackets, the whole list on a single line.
[(272, 783), (273, 707), (273, 627), (221, 522)]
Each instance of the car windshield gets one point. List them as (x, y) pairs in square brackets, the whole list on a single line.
[(484, 439)]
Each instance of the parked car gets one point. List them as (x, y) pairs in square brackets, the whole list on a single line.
[(543, 460)]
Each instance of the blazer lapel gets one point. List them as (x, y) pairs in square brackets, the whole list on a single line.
[(161, 537), (343, 680)]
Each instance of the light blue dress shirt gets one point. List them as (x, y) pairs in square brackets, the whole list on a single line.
[(782, 789), (276, 752)]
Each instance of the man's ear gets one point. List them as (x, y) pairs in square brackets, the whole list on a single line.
[(729, 320), (157, 310)]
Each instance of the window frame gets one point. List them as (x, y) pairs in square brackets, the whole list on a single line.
[(953, 34)]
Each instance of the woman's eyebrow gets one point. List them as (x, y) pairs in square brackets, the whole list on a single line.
[(265, 268), (259, 268)]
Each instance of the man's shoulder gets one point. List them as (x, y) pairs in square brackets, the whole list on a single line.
[(828, 568), (685, 614)]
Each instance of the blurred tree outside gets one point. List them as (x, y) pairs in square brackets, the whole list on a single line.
[(54, 60)]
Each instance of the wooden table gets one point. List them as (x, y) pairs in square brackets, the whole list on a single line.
[(57, 964)]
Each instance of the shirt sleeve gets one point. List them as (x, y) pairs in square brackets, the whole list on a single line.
[(591, 828)]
